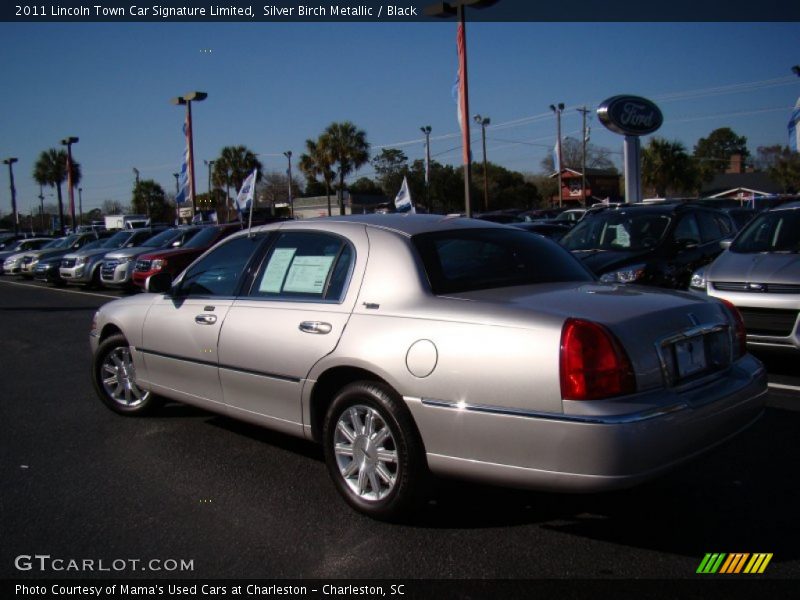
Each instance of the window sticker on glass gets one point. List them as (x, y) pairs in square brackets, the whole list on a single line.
[(308, 274), (275, 272)]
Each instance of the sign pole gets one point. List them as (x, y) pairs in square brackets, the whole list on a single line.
[(632, 152)]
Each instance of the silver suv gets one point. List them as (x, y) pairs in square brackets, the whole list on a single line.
[(118, 266), (83, 267), (760, 274)]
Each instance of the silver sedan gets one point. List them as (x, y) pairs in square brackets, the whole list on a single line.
[(411, 345)]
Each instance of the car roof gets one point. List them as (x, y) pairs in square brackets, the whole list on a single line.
[(404, 224)]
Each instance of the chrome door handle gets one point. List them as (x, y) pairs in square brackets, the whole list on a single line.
[(205, 319), (315, 327)]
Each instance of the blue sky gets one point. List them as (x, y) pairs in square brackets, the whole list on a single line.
[(272, 86)]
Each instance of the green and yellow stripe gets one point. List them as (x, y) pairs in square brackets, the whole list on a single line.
[(734, 563)]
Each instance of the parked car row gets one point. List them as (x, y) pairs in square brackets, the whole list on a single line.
[(122, 259)]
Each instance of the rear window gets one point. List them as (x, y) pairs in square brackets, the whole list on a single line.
[(479, 259)]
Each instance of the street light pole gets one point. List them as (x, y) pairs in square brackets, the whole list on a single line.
[(80, 205), (288, 155), (557, 109), (583, 112), (187, 100), (41, 207), (483, 122), (68, 141), (427, 131), (10, 162)]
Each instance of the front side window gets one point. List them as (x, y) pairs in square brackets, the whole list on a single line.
[(221, 271), (308, 266), (478, 259)]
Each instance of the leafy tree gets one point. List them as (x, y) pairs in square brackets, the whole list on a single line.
[(232, 167), (782, 165), (507, 189), (391, 165), (713, 154), (365, 185), (51, 169), (318, 162), (597, 157), (347, 148), (149, 199), (666, 167)]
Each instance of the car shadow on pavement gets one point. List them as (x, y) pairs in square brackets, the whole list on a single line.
[(741, 496)]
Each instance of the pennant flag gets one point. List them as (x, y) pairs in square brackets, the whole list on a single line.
[(402, 202), (244, 199), (556, 162), (794, 128), (183, 177)]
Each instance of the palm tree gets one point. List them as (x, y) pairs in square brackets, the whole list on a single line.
[(51, 169), (667, 167), (348, 149), (233, 166), (316, 162)]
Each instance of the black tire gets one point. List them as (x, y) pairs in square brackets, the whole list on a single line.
[(114, 381), (94, 282), (383, 480)]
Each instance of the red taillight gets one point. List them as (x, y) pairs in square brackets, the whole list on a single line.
[(740, 334), (593, 363)]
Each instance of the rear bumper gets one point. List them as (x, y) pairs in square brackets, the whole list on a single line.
[(589, 453)]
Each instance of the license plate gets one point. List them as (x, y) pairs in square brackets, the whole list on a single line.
[(690, 356)]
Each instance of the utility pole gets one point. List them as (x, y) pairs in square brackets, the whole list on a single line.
[(483, 122), (427, 131), (583, 112), (557, 109), (80, 205), (41, 207)]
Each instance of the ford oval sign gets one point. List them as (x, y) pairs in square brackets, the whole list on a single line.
[(630, 115)]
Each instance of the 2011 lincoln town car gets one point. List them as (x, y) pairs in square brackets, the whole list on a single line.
[(409, 345)]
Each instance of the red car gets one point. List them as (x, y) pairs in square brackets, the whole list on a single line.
[(175, 260)]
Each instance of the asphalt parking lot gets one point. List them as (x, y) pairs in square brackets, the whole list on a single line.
[(242, 502)]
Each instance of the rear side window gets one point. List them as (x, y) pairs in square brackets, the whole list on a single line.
[(709, 227), (305, 266), (478, 259)]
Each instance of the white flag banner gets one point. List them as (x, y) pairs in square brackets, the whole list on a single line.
[(402, 202), (245, 197)]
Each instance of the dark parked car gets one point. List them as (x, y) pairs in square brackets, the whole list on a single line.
[(47, 269), (554, 231), (658, 245), (175, 260)]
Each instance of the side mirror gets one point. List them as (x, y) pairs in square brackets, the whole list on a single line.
[(160, 283), (725, 244)]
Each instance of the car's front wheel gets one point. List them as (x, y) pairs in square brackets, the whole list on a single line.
[(373, 450), (114, 378)]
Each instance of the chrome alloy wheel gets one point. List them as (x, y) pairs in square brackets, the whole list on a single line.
[(119, 379), (366, 453)]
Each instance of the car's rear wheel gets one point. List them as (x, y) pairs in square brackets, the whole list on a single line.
[(114, 378), (373, 450)]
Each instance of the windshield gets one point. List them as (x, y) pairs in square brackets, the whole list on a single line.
[(777, 231), (163, 238), (57, 243), (117, 240), (617, 230), (479, 259), (203, 238), (93, 244)]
